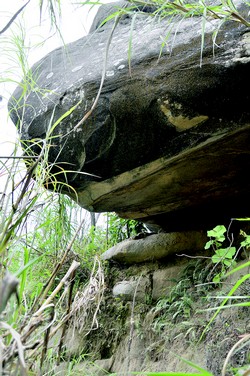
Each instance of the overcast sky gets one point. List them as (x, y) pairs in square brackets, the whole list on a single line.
[(74, 24)]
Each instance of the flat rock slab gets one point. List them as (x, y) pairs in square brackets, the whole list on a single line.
[(155, 247), (200, 187)]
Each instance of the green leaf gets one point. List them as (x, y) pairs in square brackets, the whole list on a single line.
[(29, 264), (218, 233), (217, 278), (246, 242), (243, 304), (242, 219), (229, 263), (24, 270), (222, 254), (194, 365), (245, 265), (208, 244), (216, 259)]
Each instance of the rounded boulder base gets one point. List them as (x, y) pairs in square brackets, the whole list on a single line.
[(155, 247)]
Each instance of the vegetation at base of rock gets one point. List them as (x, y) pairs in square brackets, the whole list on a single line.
[(179, 305), (222, 256), (187, 328), (49, 238), (172, 315)]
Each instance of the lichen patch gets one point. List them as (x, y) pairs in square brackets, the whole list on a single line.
[(181, 122), (110, 73), (76, 68), (49, 75)]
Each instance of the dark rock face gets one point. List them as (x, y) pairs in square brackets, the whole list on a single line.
[(169, 144)]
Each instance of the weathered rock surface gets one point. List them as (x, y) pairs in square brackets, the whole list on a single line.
[(134, 289), (155, 247), (170, 141), (164, 280)]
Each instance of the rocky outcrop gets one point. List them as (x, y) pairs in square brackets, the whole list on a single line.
[(168, 141)]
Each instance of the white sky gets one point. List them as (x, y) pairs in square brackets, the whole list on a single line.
[(74, 24)]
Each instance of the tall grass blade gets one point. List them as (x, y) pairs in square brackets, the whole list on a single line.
[(130, 43), (218, 309)]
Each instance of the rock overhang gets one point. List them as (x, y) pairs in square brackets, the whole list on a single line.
[(187, 123)]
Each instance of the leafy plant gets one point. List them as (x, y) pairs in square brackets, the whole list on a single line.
[(222, 256), (218, 234), (176, 306)]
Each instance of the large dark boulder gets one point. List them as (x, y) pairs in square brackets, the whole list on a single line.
[(168, 143)]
